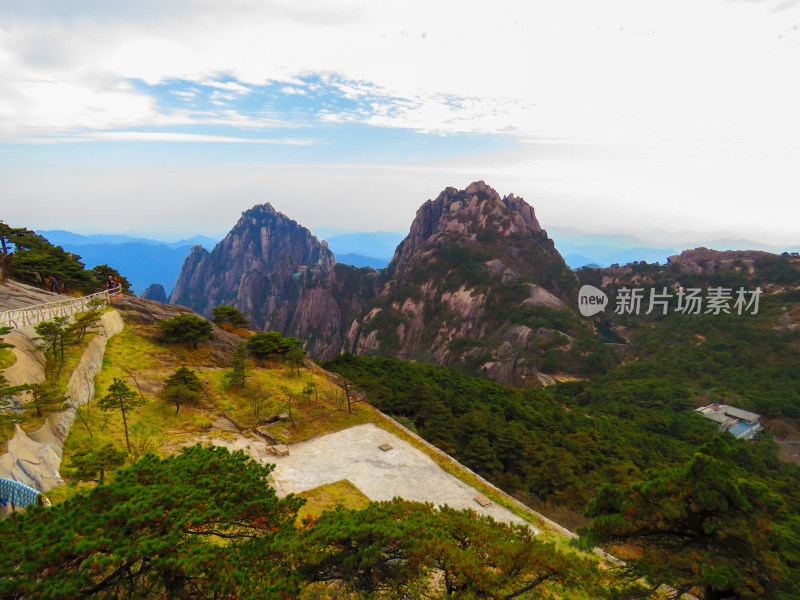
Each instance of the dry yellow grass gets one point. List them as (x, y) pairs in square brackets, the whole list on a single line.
[(7, 358), (136, 357), (329, 496)]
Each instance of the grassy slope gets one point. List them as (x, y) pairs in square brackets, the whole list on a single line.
[(136, 357), (143, 363)]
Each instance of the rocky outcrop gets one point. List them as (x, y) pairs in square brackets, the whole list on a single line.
[(139, 311), (469, 258), (279, 275), (29, 366), (156, 293), (14, 294), (476, 209), (703, 260), (541, 297), (760, 267)]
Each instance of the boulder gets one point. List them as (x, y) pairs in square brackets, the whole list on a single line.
[(156, 293), (541, 297)]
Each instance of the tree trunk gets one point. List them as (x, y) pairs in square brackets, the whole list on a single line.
[(84, 421), (125, 424)]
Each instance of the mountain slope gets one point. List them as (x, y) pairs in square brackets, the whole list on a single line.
[(279, 274), (476, 281)]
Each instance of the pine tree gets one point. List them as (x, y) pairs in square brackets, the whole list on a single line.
[(702, 528), (237, 376), (186, 329), (53, 334), (83, 322), (45, 397), (182, 387), (229, 314), (202, 524), (91, 464), (264, 344), (122, 398)]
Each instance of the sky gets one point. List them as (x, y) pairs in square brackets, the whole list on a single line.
[(170, 118)]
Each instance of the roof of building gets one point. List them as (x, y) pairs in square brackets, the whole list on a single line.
[(739, 413), (718, 417), (731, 411)]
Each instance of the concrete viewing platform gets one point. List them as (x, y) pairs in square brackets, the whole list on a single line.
[(355, 454)]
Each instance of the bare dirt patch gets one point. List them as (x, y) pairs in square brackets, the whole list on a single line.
[(787, 435)]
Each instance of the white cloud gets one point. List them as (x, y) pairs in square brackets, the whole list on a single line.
[(161, 136), (228, 85), (185, 94), (38, 106), (292, 90), (681, 78), (591, 69)]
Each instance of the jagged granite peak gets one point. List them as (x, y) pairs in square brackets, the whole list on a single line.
[(263, 241), (276, 272), (155, 292), (466, 213), (472, 263)]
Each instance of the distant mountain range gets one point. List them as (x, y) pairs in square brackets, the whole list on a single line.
[(142, 261), (62, 238), (380, 245), (580, 248), (145, 261), (357, 260)]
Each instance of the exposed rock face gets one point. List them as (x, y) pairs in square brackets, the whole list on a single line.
[(469, 212), (35, 458), (472, 263), (280, 275), (749, 264), (541, 297), (140, 311), (155, 292), (471, 257), (703, 260)]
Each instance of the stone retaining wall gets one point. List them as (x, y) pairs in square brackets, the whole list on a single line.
[(35, 458)]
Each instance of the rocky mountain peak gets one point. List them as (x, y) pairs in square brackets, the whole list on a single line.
[(466, 215), (155, 292), (279, 274), (258, 265), (474, 265)]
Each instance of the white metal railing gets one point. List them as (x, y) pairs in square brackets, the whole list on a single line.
[(33, 315)]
